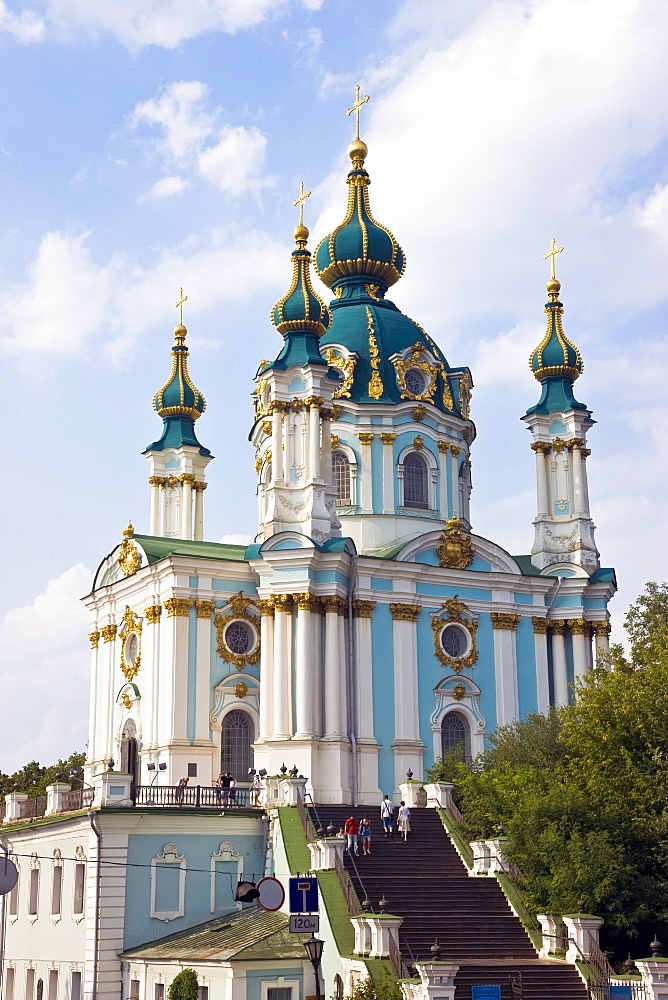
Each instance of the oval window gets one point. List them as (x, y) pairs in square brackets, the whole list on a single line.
[(239, 637), (415, 381), (131, 648), (455, 641)]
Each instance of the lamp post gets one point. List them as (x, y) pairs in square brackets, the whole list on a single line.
[(314, 951)]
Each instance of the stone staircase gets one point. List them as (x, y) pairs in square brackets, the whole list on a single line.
[(425, 882)]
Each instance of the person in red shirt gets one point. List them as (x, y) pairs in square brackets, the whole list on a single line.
[(351, 827)]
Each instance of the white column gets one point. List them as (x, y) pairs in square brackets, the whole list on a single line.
[(601, 640), (203, 670), (281, 678), (579, 632), (266, 668), (96, 700), (155, 504), (304, 666), (109, 660), (364, 477), (326, 447), (343, 669), (404, 634), (175, 663), (443, 451), (540, 653), (277, 443), (314, 439), (559, 667), (363, 610), (505, 667), (388, 438), (150, 675), (187, 480), (577, 470), (541, 448), (333, 678), (199, 511)]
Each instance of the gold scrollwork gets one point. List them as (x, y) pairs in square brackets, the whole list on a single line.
[(465, 395), (413, 360), (418, 442), (239, 605), (205, 608), (347, 368), (504, 621), (375, 388), (130, 651), (405, 612), (108, 633), (419, 412), (332, 603), (388, 437), (266, 426), (448, 401), (455, 612), (128, 554), (372, 292), (178, 607), (241, 689), (152, 614), (455, 548), (366, 437), (94, 639), (539, 625), (336, 411), (458, 692)]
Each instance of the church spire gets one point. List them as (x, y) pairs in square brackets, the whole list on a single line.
[(564, 530), (177, 458)]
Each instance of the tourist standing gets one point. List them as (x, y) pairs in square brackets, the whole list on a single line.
[(351, 827), (364, 835), (404, 820), (387, 816)]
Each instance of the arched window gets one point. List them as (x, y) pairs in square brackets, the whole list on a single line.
[(456, 735), (341, 478), (129, 756), (236, 752), (415, 481)]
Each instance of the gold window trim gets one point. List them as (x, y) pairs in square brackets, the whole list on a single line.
[(455, 612), (413, 360), (131, 623), (240, 605)]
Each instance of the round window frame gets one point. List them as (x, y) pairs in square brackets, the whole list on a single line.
[(467, 636), (424, 382), (126, 643), (254, 633)]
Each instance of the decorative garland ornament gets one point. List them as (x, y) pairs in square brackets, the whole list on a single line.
[(130, 636), (128, 555), (239, 605), (455, 548), (455, 612)]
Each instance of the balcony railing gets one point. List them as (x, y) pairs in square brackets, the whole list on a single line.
[(192, 797), (78, 798)]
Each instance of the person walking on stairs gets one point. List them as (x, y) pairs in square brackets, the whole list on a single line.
[(351, 826), (404, 820), (387, 816), (364, 834)]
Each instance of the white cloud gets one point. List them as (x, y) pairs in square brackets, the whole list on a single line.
[(25, 28), (653, 213), (44, 661), (235, 540), (68, 305), (166, 187), (232, 158), (165, 23)]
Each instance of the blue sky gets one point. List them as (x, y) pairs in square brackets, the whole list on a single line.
[(150, 144)]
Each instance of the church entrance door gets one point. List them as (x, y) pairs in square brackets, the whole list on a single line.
[(129, 753)]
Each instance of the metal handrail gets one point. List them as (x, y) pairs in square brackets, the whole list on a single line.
[(32, 808), (307, 823), (191, 797), (599, 961), (398, 964), (352, 902)]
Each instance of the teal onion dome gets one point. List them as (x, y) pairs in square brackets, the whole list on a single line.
[(359, 245), (178, 396), (301, 309), (555, 356)]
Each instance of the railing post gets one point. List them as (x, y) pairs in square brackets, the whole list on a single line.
[(198, 796)]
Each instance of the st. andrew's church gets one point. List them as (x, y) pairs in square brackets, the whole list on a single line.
[(366, 631)]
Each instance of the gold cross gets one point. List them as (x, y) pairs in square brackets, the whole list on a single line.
[(357, 104), (303, 195), (179, 304), (553, 253)]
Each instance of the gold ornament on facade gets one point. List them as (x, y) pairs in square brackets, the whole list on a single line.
[(418, 442), (458, 692), (333, 604), (455, 612), (455, 548), (130, 636), (429, 371), (94, 638), (125, 698), (372, 292), (152, 614), (178, 607), (541, 446), (600, 628), (418, 413), (465, 395), (575, 443), (366, 437), (314, 402), (205, 609), (128, 554), (363, 609), (578, 626), (241, 689), (500, 620), (265, 426), (387, 437), (443, 447), (266, 606), (338, 291), (558, 445), (282, 602), (405, 612), (306, 601), (258, 462), (448, 401), (585, 452), (375, 388), (108, 633), (334, 441), (347, 368), (240, 606), (157, 481), (557, 626), (539, 625)]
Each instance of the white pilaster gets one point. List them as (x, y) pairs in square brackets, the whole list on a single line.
[(277, 444), (304, 673), (199, 511), (505, 667), (388, 438), (580, 637), (155, 482), (203, 666), (408, 748), (364, 478), (333, 675), (281, 678), (314, 439), (559, 666), (187, 481), (601, 632), (266, 669), (542, 675)]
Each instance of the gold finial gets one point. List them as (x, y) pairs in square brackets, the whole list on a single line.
[(301, 232), (357, 104), (129, 531), (184, 298), (552, 253)]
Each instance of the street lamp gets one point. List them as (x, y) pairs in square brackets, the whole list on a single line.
[(314, 948)]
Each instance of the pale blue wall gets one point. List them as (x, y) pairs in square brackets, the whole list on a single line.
[(526, 667), (383, 693), (255, 978)]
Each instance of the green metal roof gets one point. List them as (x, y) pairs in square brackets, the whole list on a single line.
[(157, 548), (243, 936)]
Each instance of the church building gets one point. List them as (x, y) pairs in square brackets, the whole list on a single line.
[(367, 630)]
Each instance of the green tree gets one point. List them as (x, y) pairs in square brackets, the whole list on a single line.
[(184, 986), (385, 986), (32, 778)]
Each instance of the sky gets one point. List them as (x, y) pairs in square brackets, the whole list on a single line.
[(148, 145)]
